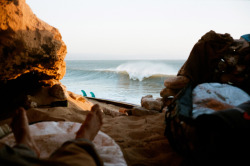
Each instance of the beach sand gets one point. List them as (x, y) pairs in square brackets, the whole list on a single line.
[(141, 138)]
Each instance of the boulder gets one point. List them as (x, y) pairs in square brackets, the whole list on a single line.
[(29, 45), (31, 54), (150, 103), (59, 91)]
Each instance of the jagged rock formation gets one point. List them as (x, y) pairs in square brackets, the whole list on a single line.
[(29, 45), (31, 53)]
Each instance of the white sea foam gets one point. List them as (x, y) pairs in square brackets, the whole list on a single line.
[(142, 70)]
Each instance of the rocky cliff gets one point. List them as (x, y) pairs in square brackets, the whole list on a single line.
[(31, 52), (28, 45)]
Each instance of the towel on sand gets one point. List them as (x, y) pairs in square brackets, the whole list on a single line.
[(51, 135)]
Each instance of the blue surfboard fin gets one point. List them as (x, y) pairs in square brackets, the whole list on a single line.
[(84, 93), (92, 94)]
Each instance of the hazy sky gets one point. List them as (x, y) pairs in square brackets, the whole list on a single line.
[(140, 29)]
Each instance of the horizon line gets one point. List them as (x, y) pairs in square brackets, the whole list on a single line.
[(120, 59)]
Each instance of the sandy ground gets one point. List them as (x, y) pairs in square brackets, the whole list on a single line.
[(141, 138)]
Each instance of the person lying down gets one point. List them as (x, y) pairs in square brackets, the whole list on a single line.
[(79, 151)]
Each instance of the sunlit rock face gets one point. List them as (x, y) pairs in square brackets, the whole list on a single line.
[(29, 45), (31, 52)]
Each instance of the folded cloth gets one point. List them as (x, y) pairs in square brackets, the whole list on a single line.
[(214, 58)]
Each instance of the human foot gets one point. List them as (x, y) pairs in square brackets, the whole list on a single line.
[(20, 128), (91, 125)]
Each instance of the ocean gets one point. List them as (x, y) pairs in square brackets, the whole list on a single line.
[(120, 80)]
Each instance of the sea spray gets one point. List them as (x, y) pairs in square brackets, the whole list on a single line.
[(142, 69)]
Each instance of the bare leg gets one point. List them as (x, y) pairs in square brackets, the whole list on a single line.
[(20, 128), (91, 125)]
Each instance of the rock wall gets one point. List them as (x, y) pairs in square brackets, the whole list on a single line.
[(29, 45), (31, 53)]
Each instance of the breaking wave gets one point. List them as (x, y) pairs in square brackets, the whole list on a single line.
[(142, 70)]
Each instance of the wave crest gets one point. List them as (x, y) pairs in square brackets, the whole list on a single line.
[(142, 70)]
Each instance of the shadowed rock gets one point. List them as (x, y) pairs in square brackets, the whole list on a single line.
[(148, 102), (29, 45), (31, 54)]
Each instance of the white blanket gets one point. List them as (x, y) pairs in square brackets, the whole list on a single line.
[(51, 135)]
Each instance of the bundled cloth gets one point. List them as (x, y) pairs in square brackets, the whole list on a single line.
[(218, 58)]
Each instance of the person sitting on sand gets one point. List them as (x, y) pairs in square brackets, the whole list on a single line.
[(79, 151)]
